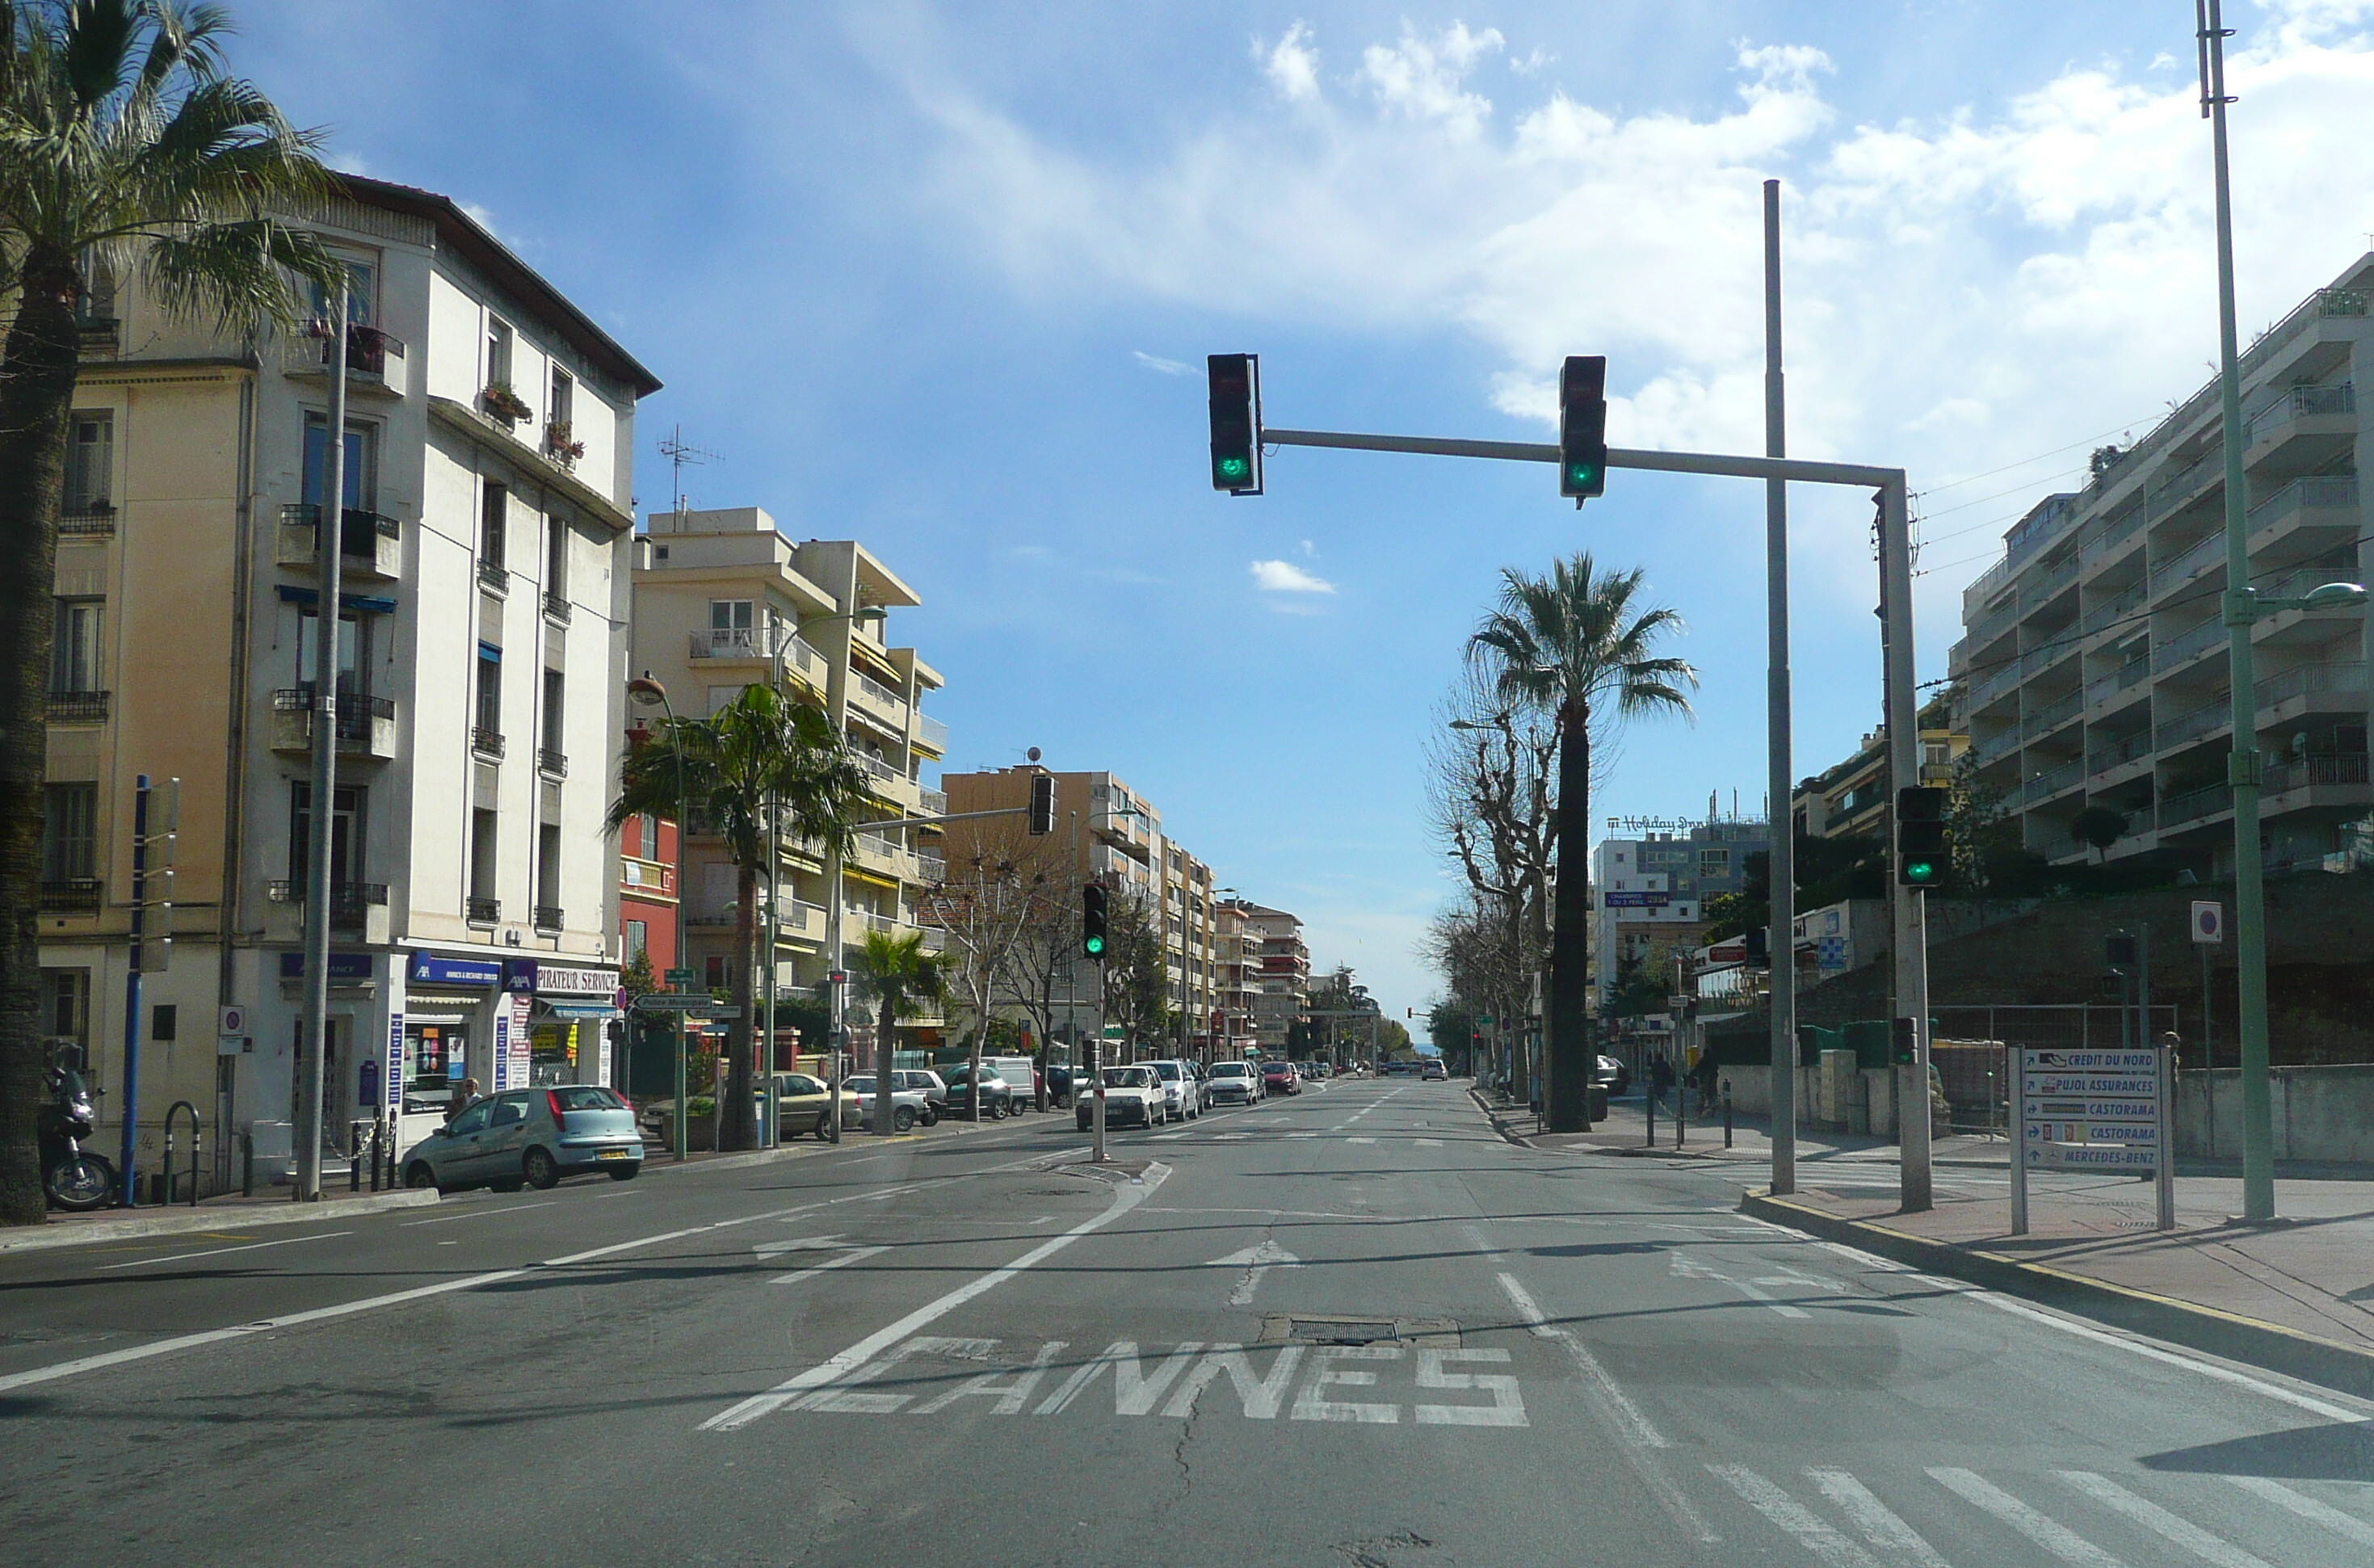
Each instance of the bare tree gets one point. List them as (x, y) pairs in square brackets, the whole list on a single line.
[(1040, 977), (985, 900)]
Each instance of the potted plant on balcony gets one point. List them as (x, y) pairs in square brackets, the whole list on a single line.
[(558, 444), (503, 403)]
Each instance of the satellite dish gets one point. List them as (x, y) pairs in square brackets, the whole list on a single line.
[(1032, 754)]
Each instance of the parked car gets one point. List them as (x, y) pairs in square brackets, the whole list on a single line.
[(996, 1094), (925, 1082), (1180, 1098), (1022, 1075), (803, 1104), (1059, 1084), (1234, 1083), (1279, 1078), (530, 1137), (1614, 1076), (1434, 1069), (1133, 1097), (908, 1106)]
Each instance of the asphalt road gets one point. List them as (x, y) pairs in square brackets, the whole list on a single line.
[(1351, 1327)]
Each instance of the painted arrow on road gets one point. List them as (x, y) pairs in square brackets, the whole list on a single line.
[(1255, 1261)]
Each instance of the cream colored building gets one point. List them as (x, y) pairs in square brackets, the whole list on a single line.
[(722, 600), (484, 595)]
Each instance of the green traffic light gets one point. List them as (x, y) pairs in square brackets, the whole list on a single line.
[(1234, 467), (1920, 871), (1583, 475), (1095, 945)]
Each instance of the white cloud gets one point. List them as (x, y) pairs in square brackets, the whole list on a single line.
[(1285, 577), (1167, 367), (1292, 65), (1421, 77)]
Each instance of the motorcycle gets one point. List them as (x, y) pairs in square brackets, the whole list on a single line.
[(74, 1178)]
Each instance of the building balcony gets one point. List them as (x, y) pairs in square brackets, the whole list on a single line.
[(2115, 536), (375, 359), (2110, 688), (2052, 715), (1996, 684), (2188, 645), (88, 520), (552, 764), (2195, 806), (877, 703), (643, 879), (479, 910), (77, 707), (556, 609), (2304, 413), (2318, 509), (357, 909), (2045, 785), (2203, 556), (796, 920), (99, 337), (931, 734), (2111, 613), (2047, 586), (2328, 685), (2110, 758), (486, 744), (70, 895), (2194, 724), (494, 579), (884, 858), (933, 802), (366, 725), (549, 918), (370, 545), (1994, 747), (2328, 771)]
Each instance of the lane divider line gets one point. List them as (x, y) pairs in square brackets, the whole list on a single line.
[(218, 1252)]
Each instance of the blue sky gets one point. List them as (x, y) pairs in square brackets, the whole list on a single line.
[(929, 275)]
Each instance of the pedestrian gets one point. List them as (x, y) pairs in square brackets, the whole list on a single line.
[(1661, 1078), (463, 1098)]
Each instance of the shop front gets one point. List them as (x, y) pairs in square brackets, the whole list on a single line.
[(568, 1024), (449, 1025)]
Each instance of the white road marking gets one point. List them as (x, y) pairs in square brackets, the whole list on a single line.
[(858, 1254), (1259, 1396), (1508, 1407), (1879, 1524), (481, 1214), (1816, 1535), (1256, 1261), (1360, 1141), (2160, 1521), (1309, 1406), (857, 1355), (1690, 1268), (802, 1243), (1628, 1417), (1135, 1391), (1427, 1142), (1011, 1390), (2063, 1542), (2306, 1507), (1302, 1135), (218, 1252)]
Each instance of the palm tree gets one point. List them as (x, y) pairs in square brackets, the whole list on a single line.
[(125, 148), (1573, 645), (897, 972), (762, 746)]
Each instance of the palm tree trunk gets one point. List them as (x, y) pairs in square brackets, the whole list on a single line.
[(37, 383), (736, 1125), (1566, 1101)]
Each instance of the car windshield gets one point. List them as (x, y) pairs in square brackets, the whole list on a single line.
[(585, 1097), (1167, 1070), (861, 1085), (1127, 1078), (1229, 1069)]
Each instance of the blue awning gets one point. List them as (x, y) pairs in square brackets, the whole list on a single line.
[(363, 603)]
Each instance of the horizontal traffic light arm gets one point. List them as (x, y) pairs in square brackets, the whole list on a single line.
[(946, 817), (1794, 469)]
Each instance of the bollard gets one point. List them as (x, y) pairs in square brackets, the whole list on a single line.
[(247, 1164), (1649, 1101), (354, 1157), (1681, 1110), (1726, 1112)]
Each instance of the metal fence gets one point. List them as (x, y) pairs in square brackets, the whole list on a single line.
[(1969, 1045)]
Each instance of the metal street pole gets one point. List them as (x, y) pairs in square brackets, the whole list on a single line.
[(1911, 904), (2242, 764), (128, 1194), (1781, 821), (329, 523), (835, 981)]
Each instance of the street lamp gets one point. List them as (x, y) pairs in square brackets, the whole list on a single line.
[(649, 693)]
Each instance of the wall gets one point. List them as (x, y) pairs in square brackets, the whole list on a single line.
[(2324, 1113)]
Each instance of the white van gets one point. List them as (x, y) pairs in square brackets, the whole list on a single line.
[(1021, 1075)]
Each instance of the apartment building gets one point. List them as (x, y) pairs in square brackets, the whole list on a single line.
[(482, 602), (722, 599), (1107, 831), (1285, 976), (1238, 953), (1648, 892), (1855, 798), (2095, 651)]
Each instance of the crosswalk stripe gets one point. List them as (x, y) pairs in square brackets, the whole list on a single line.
[(1879, 1524), (1816, 1535), (2307, 1507), (2160, 1521), (2064, 1543)]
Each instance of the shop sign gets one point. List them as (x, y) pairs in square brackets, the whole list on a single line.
[(519, 974), (553, 980), (392, 1081), (521, 1045), (502, 1049), (346, 969), (431, 968)]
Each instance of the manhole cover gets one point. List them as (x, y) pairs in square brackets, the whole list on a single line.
[(1313, 1328)]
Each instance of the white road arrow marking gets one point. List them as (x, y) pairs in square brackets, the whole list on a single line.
[(1255, 1261)]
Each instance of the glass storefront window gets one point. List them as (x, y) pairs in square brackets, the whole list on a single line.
[(436, 1061), (554, 1045)]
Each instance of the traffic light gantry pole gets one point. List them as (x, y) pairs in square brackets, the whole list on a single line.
[(1912, 946)]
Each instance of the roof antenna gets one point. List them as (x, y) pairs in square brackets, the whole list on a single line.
[(680, 451)]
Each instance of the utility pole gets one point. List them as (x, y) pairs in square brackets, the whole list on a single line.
[(1780, 821), (329, 523)]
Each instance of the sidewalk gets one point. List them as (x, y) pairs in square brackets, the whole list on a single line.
[(1625, 1132), (269, 1207)]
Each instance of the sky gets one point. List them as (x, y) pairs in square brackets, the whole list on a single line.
[(941, 277)]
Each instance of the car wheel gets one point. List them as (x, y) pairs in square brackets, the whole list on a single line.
[(419, 1176), (823, 1129), (931, 1117), (626, 1173), (542, 1170), (902, 1119)]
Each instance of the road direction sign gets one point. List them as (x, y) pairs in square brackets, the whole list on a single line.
[(2091, 1111), (678, 977), (657, 1003)]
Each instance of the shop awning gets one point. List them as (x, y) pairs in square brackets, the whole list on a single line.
[(574, 1010)]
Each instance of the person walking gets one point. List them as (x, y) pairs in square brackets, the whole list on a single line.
[(463, 1098), (1661, 1078)]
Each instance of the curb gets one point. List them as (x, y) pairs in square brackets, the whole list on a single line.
[(93, 1233), (1492, 1117), (2269, 1346)]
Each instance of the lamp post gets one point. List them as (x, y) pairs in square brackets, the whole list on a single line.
[(836, 969), (650, 694)]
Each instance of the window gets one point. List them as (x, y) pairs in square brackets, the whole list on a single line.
[(66, 1017), (564, 398), (362, 294), (730, 615), (1714, 863), (492, 517), (95, 306), (345, 840), (489, 718), (498, 352), (357, 484), (482, 854), (91, 464), (309, 642), (719, 976), (556, 557), (637, 939), (69, 832), (547, 864), (74, 648), (555, 726), (470, 1121)]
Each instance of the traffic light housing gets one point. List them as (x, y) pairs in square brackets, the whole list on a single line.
[(1582, 427), (1093, 899), (1757, 948), (1904, 1041), (1236, 423), (1920, 835), (1042, 804)]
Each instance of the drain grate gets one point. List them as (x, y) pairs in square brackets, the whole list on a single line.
[(1317, 1328)]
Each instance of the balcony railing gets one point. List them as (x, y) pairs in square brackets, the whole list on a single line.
[(479, 910), (1995, 685), (2101, 689), (2052, 782), (2194, 804), (552, 764), (2337, 677), (2206, 553), (70, 895), (877, 696), (350, 903), (555, 609), (367, 350), (1995, 746), (486, 743), (931, 732), (494, 577), (2299, 403), (2200, 639), (77, 707), (2304, 772), (2052, 715), (2047, 586), (359, 532), (878, 768), (359, 715), (931, 868), (88, 520), (934, 803), (2317, 492), (2114, 534), (653, 878), (2193, 723), (2136, 744), (2172, 494), (2103, 616), (549, 918)]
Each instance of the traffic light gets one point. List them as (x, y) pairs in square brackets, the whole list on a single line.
[(1236, 423), (1904, 1038), (1758, 947), (1092, 919), (1582, 427), (1042, 804), (1920, 835)]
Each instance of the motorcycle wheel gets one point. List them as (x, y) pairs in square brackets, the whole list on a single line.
[(79, 1183)]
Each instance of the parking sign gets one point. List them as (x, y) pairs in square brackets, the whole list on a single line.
[(2208, 922)]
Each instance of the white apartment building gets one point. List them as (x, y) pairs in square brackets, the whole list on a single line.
[(2094, 654), (1648, 892), (481, 637), (722, 599)]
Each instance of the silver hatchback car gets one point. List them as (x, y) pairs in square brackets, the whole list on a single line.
[(529, 1137)]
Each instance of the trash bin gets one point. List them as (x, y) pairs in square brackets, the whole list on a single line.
[(1598, 1110)]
